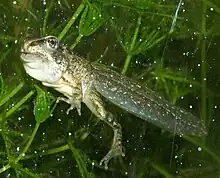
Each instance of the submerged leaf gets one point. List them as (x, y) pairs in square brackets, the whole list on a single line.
[(42, 105), (91, 19)]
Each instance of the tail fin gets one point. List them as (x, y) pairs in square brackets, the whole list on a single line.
[(145, 103)]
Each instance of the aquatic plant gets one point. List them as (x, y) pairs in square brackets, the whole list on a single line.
[(171, 47)]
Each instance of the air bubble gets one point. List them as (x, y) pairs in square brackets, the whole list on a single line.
[(199, 149)]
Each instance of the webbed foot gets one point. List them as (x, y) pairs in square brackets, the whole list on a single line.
[(115, 151)]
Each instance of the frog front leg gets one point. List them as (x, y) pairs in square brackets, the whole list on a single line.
[(74, 101), (72, 93), (94, 102)]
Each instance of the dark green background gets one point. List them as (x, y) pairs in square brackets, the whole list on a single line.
[(174, 63)]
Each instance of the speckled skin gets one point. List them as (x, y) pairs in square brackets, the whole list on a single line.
[(52, 63)]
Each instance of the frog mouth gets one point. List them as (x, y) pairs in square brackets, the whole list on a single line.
[(28, 57), (23, 51), (23, 56)]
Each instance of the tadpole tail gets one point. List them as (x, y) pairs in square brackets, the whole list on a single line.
[(145, 103)]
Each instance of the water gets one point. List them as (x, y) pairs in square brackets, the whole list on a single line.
[(170, 47)]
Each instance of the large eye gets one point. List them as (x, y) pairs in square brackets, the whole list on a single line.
[(52, 43)]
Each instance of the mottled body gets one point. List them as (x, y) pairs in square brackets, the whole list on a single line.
[(52, 63)]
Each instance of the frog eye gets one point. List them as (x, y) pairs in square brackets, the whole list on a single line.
[(52, 43)]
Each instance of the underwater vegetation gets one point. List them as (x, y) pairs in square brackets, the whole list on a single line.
[(169, 47)]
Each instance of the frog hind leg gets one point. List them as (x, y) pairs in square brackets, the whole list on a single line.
[(94, 102)]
